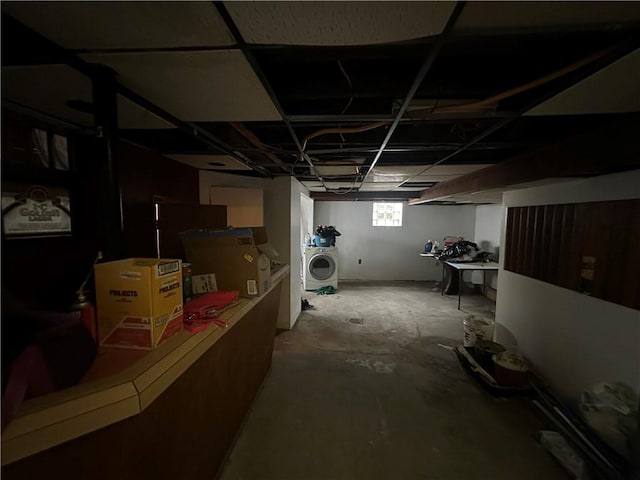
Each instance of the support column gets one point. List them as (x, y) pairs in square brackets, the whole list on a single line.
[(106, 122)]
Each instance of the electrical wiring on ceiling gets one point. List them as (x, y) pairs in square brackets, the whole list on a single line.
[(526, 86), (491, 101), (326, 131), (530, 85), (349, 190), (471, 105), (350, 87)]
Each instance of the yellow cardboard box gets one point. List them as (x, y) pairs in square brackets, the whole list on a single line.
[(139, 301)]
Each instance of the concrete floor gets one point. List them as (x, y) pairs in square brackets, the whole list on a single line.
[(383, 399)]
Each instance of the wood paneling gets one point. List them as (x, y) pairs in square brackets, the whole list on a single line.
[(178, 217), (188, 430), (144, 175), (588, 247), (46, 272)]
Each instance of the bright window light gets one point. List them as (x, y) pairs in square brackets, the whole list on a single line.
[(387, 214)]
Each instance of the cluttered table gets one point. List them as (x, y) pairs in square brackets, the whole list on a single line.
[(121, 383)]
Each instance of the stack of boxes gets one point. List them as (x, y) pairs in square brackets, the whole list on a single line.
[(139, 300)]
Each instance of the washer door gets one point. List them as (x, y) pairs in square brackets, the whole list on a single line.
[(321, 267)]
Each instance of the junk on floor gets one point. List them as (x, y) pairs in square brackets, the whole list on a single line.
[(474, 328), (328, 290), (601, 438), (603, 461), (305, 305), (480, 361), (484, 352), (510, 370), (558, 446), (501, 372), (611, 410)]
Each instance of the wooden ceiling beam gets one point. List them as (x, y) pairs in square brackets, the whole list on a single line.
[(364, 196), (609, 149)]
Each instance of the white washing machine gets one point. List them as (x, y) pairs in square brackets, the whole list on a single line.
[(320, 267)]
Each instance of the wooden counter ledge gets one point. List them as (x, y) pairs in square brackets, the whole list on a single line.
[(121, 383)]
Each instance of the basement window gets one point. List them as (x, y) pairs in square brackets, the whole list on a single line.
[(387, 214)]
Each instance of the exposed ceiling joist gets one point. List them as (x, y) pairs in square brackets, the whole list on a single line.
[(582, 156), (364, 196), (255, 141), (193, 129), (239, 39), (309, 120), (571, 75), (424, 69), (330, 79)]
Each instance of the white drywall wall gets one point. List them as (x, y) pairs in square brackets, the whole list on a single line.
[(571, 339), (216, 179), (297, 191), (306, 216), (391, 253), (282, 217), (306, 223), (277, 220), (487, 235), (276, 215), (244, 205)]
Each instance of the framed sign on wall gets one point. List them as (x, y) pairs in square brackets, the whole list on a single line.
[(35, 210)]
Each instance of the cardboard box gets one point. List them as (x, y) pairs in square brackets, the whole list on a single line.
[(240, 258), (139, 301)]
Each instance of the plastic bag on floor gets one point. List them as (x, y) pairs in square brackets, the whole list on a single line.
[(610, 410), (564, 453)]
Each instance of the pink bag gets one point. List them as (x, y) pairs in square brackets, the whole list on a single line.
[(205, 309)]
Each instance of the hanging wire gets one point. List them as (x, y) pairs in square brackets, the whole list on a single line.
[(350, 189), (326, 131), (350, 87), (345, 74), (345, 108)]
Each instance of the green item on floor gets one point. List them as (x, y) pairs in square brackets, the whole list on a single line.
[(328, 290)]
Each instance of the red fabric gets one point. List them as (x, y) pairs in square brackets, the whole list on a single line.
[(204, 310), (29, 377), (209, 304)]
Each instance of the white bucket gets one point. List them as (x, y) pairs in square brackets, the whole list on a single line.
[(474, 328)]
